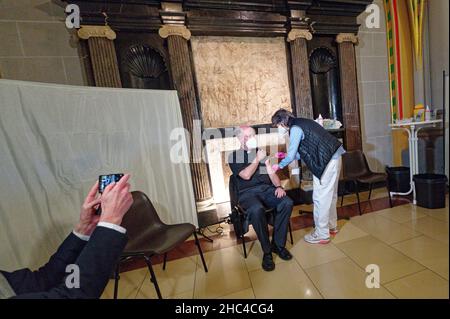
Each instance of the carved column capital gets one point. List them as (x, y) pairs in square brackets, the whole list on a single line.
[(299, 33), (347, 37), (98, 31), (179, 30)]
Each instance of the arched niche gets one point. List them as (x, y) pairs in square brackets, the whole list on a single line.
[(324, 73), (144, 67)]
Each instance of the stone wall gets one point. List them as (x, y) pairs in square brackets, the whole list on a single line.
[(373, 78), (35, 44), (438, 28)]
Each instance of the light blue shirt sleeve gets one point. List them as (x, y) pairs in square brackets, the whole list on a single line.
[(296, 135), (339, 152)]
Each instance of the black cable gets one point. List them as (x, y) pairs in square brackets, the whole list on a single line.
[(219, 230)]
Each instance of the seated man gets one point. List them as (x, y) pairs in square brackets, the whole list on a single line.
[(94, 246), (260, 188)]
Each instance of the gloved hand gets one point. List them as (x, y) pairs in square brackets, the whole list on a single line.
[(280, 155), (275, 168)]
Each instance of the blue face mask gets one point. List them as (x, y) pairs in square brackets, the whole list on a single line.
[(282, 131)]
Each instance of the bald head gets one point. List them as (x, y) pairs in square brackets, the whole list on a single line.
[(244, 133)]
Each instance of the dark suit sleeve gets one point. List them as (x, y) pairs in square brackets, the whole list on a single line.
[(96, 263), (52, 273)]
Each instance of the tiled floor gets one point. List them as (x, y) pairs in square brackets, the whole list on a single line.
[(409, 244)]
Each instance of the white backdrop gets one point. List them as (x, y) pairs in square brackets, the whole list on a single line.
[(54, 142)]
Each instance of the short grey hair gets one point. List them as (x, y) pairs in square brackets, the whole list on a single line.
[(239, 130)]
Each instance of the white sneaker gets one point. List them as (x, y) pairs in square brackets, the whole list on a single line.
[(314, 238)]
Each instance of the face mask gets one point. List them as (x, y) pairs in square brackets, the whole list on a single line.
[(282, 131), (251, 143)]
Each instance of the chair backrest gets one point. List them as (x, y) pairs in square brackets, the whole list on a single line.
[(142, 217), (234, 191), (354, 164)]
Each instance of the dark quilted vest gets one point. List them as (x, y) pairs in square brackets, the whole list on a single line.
[(318, 146)]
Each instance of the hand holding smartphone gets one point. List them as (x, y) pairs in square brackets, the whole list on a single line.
[(105, 180)]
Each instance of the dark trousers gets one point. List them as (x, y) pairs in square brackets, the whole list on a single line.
[(255, 201)]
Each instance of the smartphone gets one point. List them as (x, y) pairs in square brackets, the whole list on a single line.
[(103, 181)]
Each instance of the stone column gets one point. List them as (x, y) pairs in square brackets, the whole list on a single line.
[(102, 54), (300, 72), (349, 90), (182, 75)]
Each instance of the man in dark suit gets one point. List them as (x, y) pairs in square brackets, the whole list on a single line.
[(93, 248), (260, 188)]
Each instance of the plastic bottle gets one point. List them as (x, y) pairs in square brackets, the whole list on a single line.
[(427, 114)]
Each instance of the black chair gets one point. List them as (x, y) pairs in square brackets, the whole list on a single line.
[(356, 170), (149, 236), (238, 214)]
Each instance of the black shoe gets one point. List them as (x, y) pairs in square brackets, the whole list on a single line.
[(267, 262), (282, 252)]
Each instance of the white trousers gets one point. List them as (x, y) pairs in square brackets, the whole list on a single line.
[(325, 198)]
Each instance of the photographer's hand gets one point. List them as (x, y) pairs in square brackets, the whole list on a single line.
[(88, 218), (116, 200)]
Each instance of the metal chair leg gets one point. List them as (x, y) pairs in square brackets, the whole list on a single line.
[(390, 197), (197, 242), (152, 276), (116, 280), (357, 197), (243, 245), (370, 190), (290, 233), (242, 237), (165, 261)]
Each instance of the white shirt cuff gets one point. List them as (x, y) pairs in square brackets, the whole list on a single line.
[(118, 228), (81, 236)]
